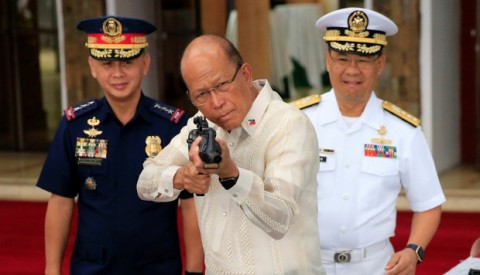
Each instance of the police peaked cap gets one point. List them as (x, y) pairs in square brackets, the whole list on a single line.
[(116, 38)]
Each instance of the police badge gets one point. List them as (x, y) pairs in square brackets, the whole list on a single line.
[(153, 146)]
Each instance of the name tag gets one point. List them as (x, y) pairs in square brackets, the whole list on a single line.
[(326, 151)]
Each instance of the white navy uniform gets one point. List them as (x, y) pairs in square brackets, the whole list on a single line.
[(363, 167)]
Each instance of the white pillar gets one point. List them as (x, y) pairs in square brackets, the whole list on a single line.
[(426, 32), (61, 54)]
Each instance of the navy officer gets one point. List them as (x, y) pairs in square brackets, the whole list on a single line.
[(369, 150), (97, 155)]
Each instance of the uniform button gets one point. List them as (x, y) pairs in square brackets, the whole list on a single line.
[(235, 195), (346, 165), (343, 229), (166, 190), (224, 214), (345, 196), (231, 144)]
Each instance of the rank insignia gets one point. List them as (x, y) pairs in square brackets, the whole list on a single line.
[(153, 146), (92, 132), (90, 183), (400, 113), (381, 140), (380, 151), (305, 102), (171, 113)]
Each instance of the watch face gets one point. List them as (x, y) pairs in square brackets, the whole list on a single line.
[(418, 250)]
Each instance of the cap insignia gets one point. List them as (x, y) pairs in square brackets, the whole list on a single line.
[(358, 22), (112, 27)]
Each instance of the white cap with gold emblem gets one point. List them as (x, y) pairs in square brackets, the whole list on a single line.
[(356, 30)]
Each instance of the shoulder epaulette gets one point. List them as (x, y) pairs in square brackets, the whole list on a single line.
[(305, 102), (72, 113), (399, 112), (166, 111)]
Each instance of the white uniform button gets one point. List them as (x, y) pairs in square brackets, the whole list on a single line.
[(231, 144), (343, 229), (345, 196), (346, 165), (235, 195), (166, 190), (224, 214)]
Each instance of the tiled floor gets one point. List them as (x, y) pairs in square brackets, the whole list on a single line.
[(19, 172), (18, 176)]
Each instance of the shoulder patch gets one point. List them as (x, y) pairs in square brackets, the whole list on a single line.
[(73, 112), (166, 111), (305, 102), (399, 112)]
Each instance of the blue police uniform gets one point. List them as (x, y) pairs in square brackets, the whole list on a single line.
[(96, 157)]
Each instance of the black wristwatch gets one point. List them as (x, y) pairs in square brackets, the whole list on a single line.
[(228, 183), (418, 250)]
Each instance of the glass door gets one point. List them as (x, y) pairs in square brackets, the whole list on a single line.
[(29, 75)]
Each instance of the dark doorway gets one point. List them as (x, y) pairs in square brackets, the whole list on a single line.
[(469, 83), (23, 37), (179, 23)]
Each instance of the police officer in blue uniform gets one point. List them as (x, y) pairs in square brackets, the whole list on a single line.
[(97, 155)]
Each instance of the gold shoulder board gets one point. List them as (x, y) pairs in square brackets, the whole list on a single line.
[(306, 101), (399, 112)]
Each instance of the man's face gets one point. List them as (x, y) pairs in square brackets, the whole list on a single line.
[(353, 77), (120, 80), (220, 90)]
